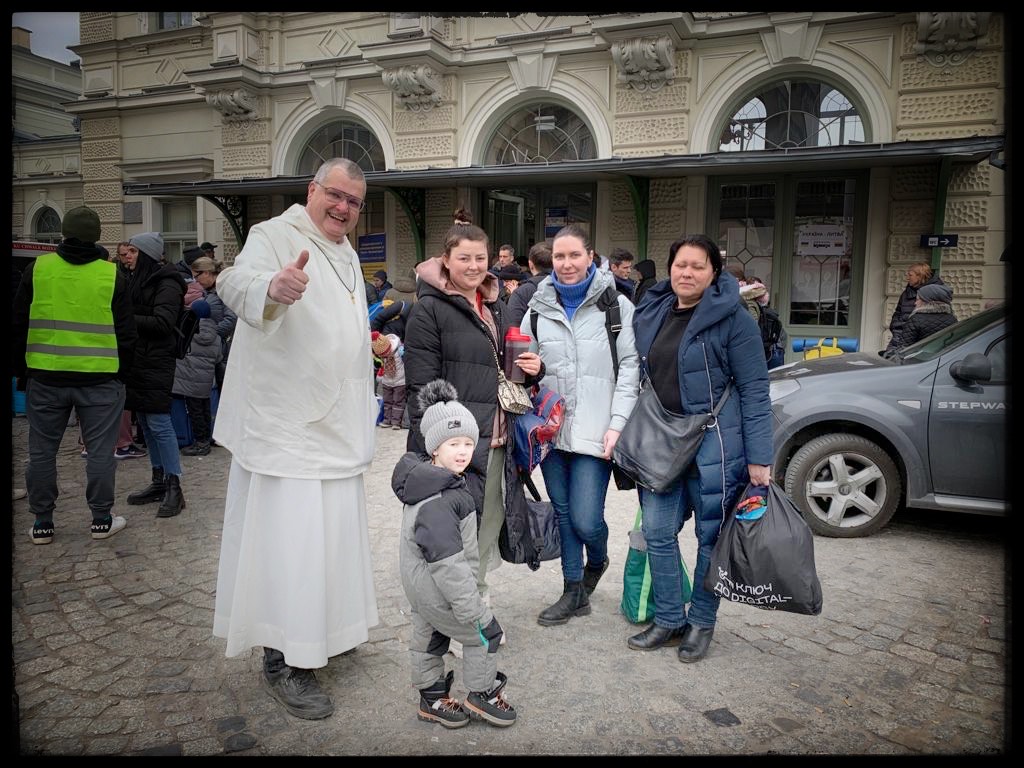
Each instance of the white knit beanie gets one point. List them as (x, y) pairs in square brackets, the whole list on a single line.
[(444, 417)]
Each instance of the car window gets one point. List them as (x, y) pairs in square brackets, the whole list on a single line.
[(932, 346), (997, 357)]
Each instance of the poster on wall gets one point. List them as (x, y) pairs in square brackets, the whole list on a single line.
[(372, 253), (821, 240)]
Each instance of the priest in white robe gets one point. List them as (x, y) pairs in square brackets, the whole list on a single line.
[(297, 413)]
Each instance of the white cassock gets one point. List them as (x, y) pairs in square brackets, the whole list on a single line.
[(297, 413)]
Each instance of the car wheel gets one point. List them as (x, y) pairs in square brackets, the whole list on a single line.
[(845, 485)]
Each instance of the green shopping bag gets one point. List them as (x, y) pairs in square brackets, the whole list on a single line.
[(637, 598)]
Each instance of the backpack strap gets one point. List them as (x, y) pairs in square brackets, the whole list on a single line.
[(609, 302), (533, 326)]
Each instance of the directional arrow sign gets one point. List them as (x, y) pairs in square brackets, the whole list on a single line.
[(939, 241)]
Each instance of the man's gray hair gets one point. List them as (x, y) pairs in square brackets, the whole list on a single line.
[(350, 169)]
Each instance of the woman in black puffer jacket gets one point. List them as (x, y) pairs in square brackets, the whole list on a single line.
[(157, 291), (455, 330), (933, 311)]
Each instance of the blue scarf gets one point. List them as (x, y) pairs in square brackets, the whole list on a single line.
[(572, 295)]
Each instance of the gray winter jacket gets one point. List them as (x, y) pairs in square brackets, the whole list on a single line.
[(438, 557), (194, 374), (579, 366)]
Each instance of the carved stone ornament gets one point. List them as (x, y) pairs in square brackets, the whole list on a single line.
[(418, 87), (949, 38), (235, 106), (645, 63)]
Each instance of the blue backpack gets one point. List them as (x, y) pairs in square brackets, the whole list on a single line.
[(533, 434)]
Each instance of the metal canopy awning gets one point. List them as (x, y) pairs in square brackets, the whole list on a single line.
[(231, 196), (968, 150)]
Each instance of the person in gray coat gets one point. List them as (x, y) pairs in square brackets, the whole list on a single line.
[(574, 345), (194, 374), (438, 560)]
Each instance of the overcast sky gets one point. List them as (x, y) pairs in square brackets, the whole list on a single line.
[(51, 32)]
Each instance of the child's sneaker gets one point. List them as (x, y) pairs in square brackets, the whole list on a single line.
[(106, 529), (41, 533), (492, 706), (436, 706)]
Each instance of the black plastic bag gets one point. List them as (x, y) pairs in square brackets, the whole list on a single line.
[(767, 562)]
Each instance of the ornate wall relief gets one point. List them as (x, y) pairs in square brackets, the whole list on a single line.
[(417, 87), (645, 63), (234, 105), (948, 39)]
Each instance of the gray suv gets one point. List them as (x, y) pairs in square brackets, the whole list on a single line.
[(856, 435)]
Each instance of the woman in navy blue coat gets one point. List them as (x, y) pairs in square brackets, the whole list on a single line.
[(694, 336)]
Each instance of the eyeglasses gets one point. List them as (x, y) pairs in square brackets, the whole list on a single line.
[(336, 197)]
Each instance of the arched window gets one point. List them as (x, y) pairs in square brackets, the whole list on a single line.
[(541, 133), (46, 227), (342, 138), (793, 113)]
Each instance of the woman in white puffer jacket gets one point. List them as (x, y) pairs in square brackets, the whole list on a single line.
[(573, 341)]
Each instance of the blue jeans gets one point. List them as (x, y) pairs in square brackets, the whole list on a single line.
[(577, 486), (663, 517), (162, 442)]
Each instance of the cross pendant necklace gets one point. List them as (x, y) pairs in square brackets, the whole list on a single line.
[(355, 279)]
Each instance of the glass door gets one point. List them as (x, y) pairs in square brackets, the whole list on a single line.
[(523, 216), (803, 236)]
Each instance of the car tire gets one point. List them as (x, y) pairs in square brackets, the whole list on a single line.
[(858, 504)]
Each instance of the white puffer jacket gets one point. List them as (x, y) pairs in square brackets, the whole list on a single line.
[(578, 364)]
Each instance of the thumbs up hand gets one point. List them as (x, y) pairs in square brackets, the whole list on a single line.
[(286, 286)]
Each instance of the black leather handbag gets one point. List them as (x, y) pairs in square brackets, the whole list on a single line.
[(656, 445)]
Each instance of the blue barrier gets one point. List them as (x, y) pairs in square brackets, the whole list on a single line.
[(17, 399), (846, 343)]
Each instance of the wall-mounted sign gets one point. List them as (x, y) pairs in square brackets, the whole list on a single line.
[(939, 241), (372, 253), (554, 220)]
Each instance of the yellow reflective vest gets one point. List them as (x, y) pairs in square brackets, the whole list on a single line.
[(71, 323)]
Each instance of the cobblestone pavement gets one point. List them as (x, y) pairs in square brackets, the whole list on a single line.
[(113, 650)]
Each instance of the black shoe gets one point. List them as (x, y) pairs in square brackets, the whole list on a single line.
[(153, 492), (654, 637), (694, 644), (492, 705), (436, 706), (593, 575), (196, 449), (41, 533), (573, 602), (173, 501), (299, 693)]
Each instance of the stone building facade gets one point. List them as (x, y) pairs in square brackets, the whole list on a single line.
[(45, 143), (817, 147)]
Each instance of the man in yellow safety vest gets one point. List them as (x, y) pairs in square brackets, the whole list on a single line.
[(74, 338)]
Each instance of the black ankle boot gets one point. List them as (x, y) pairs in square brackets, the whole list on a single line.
[(654, 637), (437, 706), (153, 492), (198, 448), (299, 692), (593, 575), (573, 602), (173, 501), (694, 644)]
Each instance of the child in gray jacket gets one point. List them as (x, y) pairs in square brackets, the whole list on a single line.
[(438, 561)]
